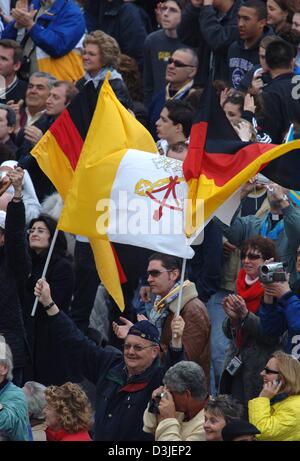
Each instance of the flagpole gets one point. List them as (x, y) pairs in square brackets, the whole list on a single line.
[(181, 287), (45, 268)]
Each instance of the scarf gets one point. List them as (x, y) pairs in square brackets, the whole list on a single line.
[(101, 76), (274, 233), (252, 295), (160, 309)]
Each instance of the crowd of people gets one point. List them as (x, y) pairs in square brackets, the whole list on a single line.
[(215, 358)]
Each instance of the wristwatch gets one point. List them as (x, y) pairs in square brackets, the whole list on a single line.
[(49, 306)]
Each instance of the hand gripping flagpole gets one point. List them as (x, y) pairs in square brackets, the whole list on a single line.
[(45, 268), (180, 290)]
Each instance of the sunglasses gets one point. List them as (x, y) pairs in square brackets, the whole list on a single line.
[(156, 273), (178, 63), (251, 256), (136, 347), (268, 371)]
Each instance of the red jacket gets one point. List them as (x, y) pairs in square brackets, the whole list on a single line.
[(63, 436)]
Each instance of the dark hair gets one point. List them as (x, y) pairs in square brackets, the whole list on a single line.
[(180, 3), (226, 406), (279, 54), (131, 75), (13, 45), (285, 6), (6, 153), (168, 261), (181, 112), (10, 114), (237, 98), (257, 5), (60, 247), (265, 245), (71, 90)]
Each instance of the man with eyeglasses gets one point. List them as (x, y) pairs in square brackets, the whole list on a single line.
[(163, 277), (124, 382), (280, 312), (181, 70)]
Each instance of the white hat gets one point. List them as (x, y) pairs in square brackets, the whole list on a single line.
[(2, 219)]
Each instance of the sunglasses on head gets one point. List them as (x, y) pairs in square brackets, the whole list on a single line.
[(268, 371), (250, 256), (156, 272), (178, 63)]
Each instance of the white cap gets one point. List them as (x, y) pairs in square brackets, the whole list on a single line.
[(2, 219)]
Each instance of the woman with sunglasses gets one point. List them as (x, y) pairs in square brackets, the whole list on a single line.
[(276, 411), (249, 348), (280, 312)]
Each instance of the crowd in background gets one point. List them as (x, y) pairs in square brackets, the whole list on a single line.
[(225, 366)]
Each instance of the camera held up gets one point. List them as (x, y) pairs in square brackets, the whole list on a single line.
[(273, 272), (154, 403)]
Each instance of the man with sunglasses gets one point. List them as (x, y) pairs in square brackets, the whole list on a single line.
[(163, 277), (181, 70), (280, 312), (124, 382)]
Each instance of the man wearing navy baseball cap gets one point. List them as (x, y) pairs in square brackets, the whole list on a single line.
[(124, 382)]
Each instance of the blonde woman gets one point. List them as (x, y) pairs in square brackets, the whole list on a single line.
[(276, 411)]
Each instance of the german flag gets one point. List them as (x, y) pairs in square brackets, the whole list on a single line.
[(218, 162), (57, 154)]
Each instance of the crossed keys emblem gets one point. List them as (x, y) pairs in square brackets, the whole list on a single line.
[(144, 187)]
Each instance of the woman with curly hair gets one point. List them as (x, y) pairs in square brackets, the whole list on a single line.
[(68, 414), (218, 412)]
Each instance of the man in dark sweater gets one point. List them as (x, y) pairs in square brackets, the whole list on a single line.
[(281, 97), (211, 26), (124, 382), (243, 54)]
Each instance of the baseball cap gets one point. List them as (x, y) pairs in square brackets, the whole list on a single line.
[(146, 330)]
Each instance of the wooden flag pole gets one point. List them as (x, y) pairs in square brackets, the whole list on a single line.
[(45, 268)]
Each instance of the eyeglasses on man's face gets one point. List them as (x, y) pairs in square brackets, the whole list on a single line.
[(156, 273), (250, 256), (38, 230), (178, 63), (136, 347), (268, 371)]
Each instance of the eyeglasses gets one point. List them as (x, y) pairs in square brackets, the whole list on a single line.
[(39, 230), (268, 371), (178, 63), (251, 256), (136, 347), (156, 273)]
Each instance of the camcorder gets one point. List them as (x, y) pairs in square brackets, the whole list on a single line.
[(154, 403), (273, 272)]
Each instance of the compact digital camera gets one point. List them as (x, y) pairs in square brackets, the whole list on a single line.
[(273, 272), (154, 403)]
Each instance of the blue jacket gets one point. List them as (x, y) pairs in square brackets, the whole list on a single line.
[(14, 416), (120, 401), (57, 31), (282, 316)]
